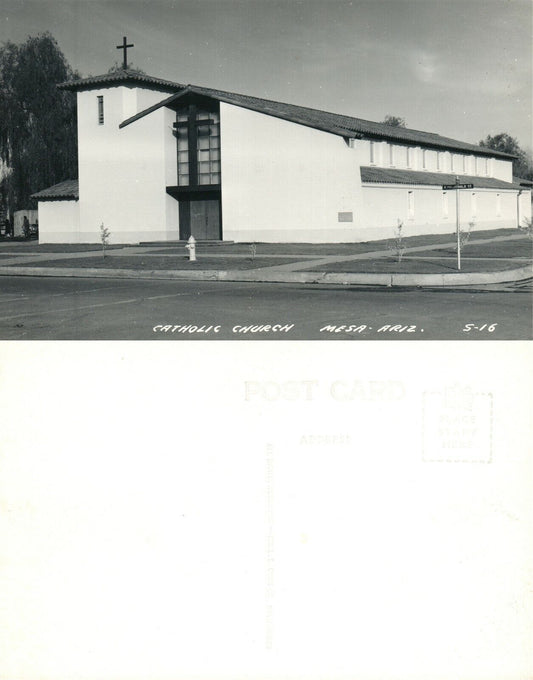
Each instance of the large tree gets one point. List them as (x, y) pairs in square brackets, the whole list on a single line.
[(522, 164), (38, 135)]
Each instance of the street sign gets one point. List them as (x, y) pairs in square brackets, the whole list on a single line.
[(447, 187), (451, 187)]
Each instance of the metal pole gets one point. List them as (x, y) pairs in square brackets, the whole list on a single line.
[(457, 228)]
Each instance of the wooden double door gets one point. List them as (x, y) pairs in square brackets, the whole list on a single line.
[(200, 218)]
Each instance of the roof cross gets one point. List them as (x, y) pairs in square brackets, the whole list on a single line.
[(124, 47)]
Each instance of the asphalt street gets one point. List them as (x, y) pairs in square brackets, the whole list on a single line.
[(33, 308)]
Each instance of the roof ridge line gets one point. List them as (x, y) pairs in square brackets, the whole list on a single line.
[(385, 126), (332, 113)]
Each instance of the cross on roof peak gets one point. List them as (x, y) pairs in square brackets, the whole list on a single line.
[(124, 47)]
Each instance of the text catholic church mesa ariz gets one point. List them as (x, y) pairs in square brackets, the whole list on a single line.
[(160, 161)]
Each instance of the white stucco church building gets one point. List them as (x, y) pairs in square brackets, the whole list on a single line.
[(159, 161)]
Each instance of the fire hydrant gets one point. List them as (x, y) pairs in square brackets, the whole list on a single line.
[(191, 247)]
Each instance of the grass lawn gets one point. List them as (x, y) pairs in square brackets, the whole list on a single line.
[(149, 263), (414, 265), (33, 248), (517, 248), (488, 256), (312, 249), (309, 249), (325, 249)]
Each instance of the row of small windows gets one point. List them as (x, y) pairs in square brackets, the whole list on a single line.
[(404, 156)]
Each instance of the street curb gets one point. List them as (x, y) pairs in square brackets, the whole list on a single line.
[(338, 278)]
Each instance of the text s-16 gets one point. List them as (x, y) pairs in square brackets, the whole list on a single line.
[(489, 328)]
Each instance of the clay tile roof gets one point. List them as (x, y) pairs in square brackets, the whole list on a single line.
[(63, 190), (122, 77), (414, 177), (344, 126)]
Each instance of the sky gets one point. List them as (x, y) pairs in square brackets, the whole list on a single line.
[(461, 68)]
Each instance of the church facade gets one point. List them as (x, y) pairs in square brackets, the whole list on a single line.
[(160, 161)]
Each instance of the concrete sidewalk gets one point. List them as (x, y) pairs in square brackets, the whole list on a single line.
[(290, 272)]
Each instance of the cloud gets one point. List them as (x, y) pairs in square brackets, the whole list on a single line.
[(425, 66)]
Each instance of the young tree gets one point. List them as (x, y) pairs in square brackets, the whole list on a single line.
[(38, 134), (522, 164), (394, 121), (105, 235)]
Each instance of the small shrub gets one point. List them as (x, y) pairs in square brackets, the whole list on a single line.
[(104, 238), (527, 228), (253, 251), (464, 234), (397, 245)]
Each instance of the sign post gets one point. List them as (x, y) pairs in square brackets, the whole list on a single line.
[(456, 187), (457, 228)]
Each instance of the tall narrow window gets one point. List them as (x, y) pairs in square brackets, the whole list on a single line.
[(486, 164), (198, 134), (372, 153), (424, 159), (208, 148), (464, 163), (408, 156), (445, 205), (183, 147), (476, 165), (439, 161), (100, 110), (452, 164), (391, 154), (411, 204)]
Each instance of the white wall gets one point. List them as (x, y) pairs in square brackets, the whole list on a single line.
[(524, 208), (285, 182), (503, 170), (123, 173), (386, 204), (59, 222)]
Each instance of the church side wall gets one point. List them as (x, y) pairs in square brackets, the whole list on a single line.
[(429, 210), (286, 182), (123, 172), (59, 221)]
